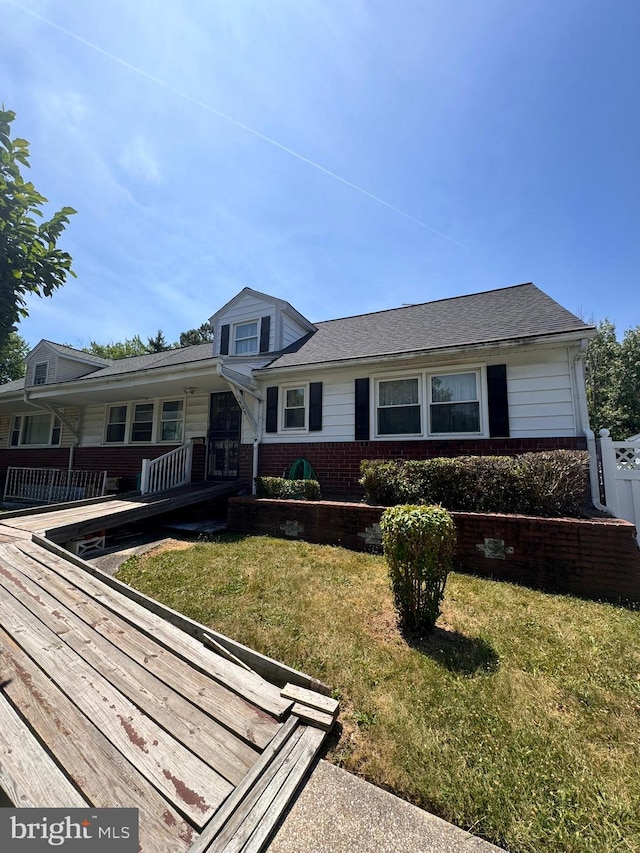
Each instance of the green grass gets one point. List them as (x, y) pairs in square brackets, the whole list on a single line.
[(519, 718)]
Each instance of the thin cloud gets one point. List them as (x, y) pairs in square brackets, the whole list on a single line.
[(140, 162), (231, 120)]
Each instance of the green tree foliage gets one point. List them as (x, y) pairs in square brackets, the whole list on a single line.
[(612, 370), (158, 343), (29, 260), (202, 335), (12, 356), (118, 349)]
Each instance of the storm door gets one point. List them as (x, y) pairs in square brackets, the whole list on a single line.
[(223, 442)]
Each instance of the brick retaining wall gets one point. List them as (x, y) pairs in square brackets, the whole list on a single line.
[(337, 463), (594, 558)]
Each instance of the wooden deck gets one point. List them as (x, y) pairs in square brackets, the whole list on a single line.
[(105, 702), (63, 522)]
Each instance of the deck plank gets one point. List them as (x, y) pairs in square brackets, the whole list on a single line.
[(28, 774), (246, 684), (214, 744), (232, 711), (159, 757), (106, 778)]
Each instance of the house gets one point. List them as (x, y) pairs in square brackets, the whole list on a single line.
[(493, 372)]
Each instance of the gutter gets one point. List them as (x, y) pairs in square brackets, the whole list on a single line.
[(583, 411), (395, 357)]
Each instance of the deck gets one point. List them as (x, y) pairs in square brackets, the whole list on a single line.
[(63, 522), (115, 701)]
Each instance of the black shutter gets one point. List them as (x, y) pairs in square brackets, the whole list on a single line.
[(265, 328), (224, 340), (498, 401), (315, 406), (362, 410), (272, 409)]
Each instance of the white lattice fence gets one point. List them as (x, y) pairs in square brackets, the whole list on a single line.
[(621, 476)]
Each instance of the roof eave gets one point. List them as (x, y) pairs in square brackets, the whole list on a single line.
[(534, 340)]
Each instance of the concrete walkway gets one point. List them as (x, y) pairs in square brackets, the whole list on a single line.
[(337, 812)]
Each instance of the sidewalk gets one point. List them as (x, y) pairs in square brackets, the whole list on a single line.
[(338, 813)]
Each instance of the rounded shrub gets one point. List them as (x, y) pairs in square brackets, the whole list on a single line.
[(418, 546)]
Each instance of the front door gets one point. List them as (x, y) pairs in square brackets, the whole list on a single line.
[(223, 442)]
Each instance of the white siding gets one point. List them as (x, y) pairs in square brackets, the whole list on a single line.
[(291, 331), (72, 416), (68, 369), (197, 416), (92, 425), (245, 310), (539, 387), (541, 396), (5, 426)]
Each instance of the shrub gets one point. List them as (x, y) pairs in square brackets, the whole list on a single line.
[(418, 546), (380, 480), (283, 489), (551, 483)]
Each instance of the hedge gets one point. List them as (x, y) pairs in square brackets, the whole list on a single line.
[(280, 487), (551, 483)]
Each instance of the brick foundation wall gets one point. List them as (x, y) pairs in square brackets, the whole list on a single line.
[(337, 463), (594, 558)]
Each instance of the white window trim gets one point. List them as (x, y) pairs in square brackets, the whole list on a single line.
[(392, 436), (37, 364), (424, 396), (156, 430), (481, 387), (294, 386), (233, 341), (20, 445)]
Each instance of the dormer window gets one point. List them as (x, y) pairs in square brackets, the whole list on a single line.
[(40, 373), (245, 338)]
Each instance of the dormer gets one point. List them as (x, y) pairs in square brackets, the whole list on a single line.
[(255, 324), (48, 363)]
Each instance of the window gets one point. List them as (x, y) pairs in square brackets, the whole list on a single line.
[(29, 430), (171, 421), (142, 425), (245, 338), (294, 408), (454, 406), (399, 407), (136, 423), (40, 373), (116, 424)]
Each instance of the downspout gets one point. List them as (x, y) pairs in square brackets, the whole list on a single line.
[(583, 413), (237, 390)]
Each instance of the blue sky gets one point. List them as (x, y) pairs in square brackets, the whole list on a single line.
[(345, 155)]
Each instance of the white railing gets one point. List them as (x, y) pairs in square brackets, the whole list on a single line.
[(168, 471), (53, 485)]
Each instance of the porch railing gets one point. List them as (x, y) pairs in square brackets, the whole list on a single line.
[(53, 485), (168, 471)]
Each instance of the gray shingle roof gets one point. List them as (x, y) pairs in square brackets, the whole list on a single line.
[(89, 357), (522, 311), (168, 358)]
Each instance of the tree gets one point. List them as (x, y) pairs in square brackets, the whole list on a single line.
[(159, 343), (612, 372), (202, 335), (30, 262), (118, 349), (12, 356)]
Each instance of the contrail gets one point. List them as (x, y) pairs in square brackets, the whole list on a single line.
[(158, 81)]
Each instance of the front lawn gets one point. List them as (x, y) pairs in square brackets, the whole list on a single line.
[(519, 719)]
